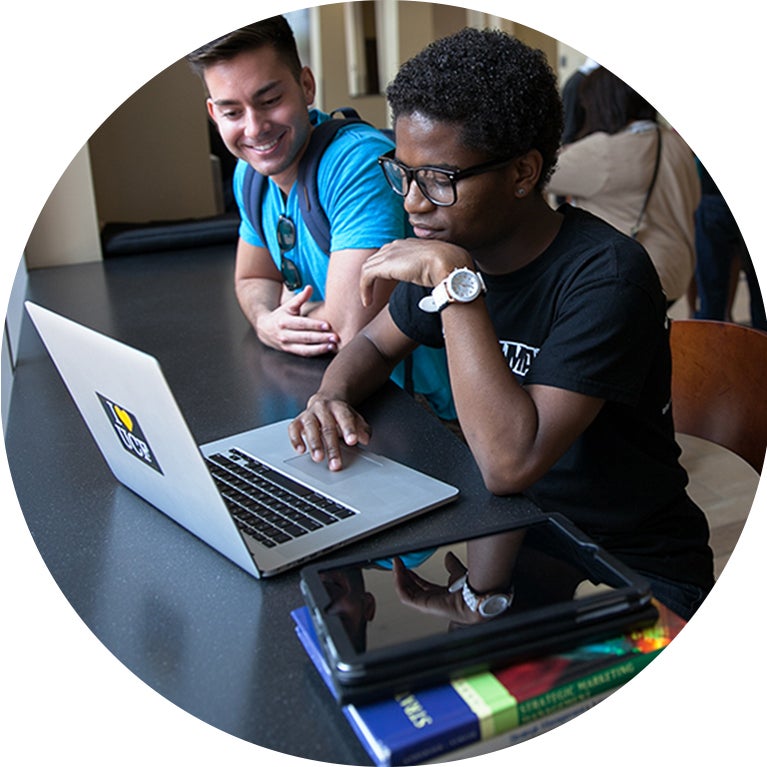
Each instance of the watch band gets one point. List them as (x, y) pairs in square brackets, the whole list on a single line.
[(487, 605), (440, 296), (435, 301)]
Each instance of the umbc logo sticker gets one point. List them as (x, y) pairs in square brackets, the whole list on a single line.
[(129, 432)]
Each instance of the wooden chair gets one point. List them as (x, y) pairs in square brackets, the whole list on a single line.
[(719, 385)]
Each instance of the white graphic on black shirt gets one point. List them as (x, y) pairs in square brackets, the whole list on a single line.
[(519, 356)]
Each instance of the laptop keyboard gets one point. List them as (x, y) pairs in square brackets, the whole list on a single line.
[(267, 506)]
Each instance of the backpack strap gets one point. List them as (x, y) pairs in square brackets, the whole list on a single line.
[(635, 228), (253, 192), (314, 216), (316, 220)]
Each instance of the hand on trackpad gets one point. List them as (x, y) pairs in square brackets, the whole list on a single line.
[(355, 463)]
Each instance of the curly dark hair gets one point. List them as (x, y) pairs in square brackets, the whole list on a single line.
[(502, 93)]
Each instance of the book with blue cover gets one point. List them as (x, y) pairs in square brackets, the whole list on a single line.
[(489, 707)]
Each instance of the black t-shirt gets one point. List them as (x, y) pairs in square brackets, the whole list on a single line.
[(588, 315)]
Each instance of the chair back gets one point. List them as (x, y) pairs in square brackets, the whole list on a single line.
[(719, 385)]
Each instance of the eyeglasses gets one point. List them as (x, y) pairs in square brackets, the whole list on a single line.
[(286, 239), (436, 184)]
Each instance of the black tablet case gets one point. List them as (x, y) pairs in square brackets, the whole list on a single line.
[(514, 636)]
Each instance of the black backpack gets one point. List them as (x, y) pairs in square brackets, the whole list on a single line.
[(255, 185)]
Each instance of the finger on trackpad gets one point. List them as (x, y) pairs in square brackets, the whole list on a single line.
[(354, 462)]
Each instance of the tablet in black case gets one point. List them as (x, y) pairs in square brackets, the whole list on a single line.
[(564, 590)]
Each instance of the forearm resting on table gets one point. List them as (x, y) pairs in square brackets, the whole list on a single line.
[(257, 296)]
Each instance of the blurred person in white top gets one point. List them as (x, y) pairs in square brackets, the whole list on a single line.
[(609, 170)]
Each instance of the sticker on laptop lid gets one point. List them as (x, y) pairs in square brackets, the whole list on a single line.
[(129, 432)]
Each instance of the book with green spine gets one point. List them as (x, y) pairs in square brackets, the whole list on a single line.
[(426, 724)]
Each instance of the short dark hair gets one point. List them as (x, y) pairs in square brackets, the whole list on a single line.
[(502, 94), (274, 31), (609, 104)]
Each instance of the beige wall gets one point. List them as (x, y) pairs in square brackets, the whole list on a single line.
[(536, 39), (151, 157), (67, 232), (333, 68)]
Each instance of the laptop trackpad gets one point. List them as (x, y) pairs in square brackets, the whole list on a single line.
[(355, 464)]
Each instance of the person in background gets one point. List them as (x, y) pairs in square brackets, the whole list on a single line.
[(572, 107), (554, 321), (721, 254), (571, 101), (259, 97), (635, 174)]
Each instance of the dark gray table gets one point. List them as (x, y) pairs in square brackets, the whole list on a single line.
[(194, 627)]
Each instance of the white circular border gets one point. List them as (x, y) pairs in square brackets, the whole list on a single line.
[(67, 66)]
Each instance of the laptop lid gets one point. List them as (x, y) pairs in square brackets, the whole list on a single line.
[(124, 399)]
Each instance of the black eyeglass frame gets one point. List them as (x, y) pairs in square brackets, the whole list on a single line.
[(453, 175), (286, 241)]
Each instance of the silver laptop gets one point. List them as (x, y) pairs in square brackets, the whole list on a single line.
[(250, 496)]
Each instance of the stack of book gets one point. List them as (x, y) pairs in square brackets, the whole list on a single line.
[(484, 712)]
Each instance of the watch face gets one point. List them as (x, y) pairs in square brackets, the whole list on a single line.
[(464, 285), (494, 605)]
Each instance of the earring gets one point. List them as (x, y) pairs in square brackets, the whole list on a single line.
[(521, 192)]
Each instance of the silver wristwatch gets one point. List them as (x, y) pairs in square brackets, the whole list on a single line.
[(487, 605), (462, 285)]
